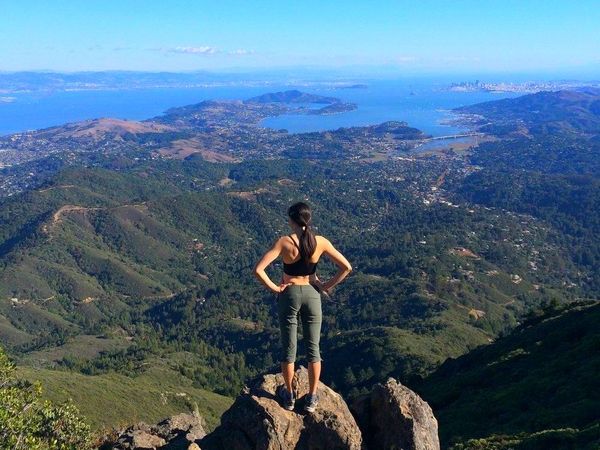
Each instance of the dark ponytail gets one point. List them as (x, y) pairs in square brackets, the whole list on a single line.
[(300, 213)]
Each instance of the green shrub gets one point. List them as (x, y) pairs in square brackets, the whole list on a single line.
[(28, 422)]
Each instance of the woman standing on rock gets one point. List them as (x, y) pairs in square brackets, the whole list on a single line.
[(299, 294)]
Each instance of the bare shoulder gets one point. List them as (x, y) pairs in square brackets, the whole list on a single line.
[(282, 241), (322, 242), (285, 238), (327, 248)]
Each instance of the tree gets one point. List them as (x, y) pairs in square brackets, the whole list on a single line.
[(28, 422)]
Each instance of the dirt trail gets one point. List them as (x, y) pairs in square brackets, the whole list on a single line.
[(63, 186), (65, 209)]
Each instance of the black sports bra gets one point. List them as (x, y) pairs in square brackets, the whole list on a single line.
[(300, 267)]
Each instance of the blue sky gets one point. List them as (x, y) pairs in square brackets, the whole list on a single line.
[(411, 36)]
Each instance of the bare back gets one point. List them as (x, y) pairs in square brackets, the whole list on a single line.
[(288, 248), (291, 254)]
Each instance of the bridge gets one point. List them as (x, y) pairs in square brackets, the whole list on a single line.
[(452, 136)]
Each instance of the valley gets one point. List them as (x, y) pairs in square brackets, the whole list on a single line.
[(126, 248)]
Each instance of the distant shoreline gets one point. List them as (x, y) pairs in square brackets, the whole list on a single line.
[(201, 85), (422, 106), (529, 87)]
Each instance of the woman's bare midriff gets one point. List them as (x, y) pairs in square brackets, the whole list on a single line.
[(296, 279)]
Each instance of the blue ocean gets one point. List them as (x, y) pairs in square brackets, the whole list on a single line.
[(423, 104)]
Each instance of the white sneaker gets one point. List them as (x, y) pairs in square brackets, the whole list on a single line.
[(312, 401)]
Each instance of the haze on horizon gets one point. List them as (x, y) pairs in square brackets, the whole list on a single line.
[(414, 37)]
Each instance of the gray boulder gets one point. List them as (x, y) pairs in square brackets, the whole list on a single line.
[(181, 426), (174, 433), (392, 417), (140, 437), (256, 420)]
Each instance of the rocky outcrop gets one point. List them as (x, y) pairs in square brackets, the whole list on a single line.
[(175, 433), (394, 417), (256, 420), (391, 417), (139, 436)]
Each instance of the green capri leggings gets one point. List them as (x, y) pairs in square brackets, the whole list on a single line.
[(304, 301)]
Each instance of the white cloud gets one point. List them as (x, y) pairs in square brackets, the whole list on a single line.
[(203, 50), (241, 52)]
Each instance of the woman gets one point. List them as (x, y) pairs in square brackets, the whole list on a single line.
[(298, 294)]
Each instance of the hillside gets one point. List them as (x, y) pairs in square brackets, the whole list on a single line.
[(542, 376), (102, 128), (553, 178), (560, 112), (165, 250), (112, 399), (292, 96)]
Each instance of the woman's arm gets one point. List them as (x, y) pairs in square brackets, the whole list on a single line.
[(259, 269), (344, 266)]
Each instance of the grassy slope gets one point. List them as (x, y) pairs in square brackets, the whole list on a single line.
[(542, 376), (82, 346), (112, 399)]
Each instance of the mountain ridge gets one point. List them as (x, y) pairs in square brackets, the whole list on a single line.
[(548, 112)]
